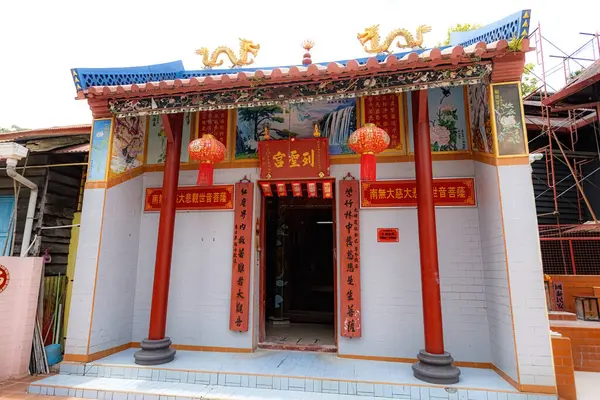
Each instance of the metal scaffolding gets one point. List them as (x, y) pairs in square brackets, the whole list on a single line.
[(564, 249)]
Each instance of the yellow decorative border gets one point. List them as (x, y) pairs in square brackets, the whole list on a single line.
[(493, 120)]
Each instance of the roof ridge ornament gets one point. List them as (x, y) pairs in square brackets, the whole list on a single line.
[(247, 47), (371, 34)]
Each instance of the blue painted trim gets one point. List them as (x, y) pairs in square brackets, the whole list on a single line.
[(514, 25)]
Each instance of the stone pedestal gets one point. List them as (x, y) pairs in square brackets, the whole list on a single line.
[(436, 368), (154, 352)]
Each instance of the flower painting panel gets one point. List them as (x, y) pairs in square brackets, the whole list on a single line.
[(447, 120), (336, 121), (128, 144), (508, 116), (479, 116), (157, 140), (99, 149)]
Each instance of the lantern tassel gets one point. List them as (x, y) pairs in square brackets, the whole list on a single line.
[(368, 167), (205, 174)]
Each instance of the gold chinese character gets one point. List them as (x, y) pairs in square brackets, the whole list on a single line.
[(452, 192), (373, 194), (414, 192), (223, 197), (435, 191), (308, 158), (381, 193), (399, 193), (188, 198), (460, 192), (390, 194), (155, 199), (294, 156), (195, 198), (209, 197), (408, 193), (278, 159), (442, 191), (202, 197), (180, 198)]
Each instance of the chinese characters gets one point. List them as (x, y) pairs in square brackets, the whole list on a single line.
[(301, 158), (215, 123), (350, 257), (459, 192), (242, 240), (193, 198), (384, 111)]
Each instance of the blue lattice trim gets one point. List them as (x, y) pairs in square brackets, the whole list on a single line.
[(513, 26)]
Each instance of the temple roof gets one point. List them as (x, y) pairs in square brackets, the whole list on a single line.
[(476, 43)]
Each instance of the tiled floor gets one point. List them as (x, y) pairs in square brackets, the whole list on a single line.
[(301, 334), (311, 365)]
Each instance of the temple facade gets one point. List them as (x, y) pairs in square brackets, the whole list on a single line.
[(293, 242)]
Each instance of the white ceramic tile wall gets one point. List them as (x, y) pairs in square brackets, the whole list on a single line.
[(112, 323), (78, 331), (526, 276), (502, 343), (391, 283), (200, 287)]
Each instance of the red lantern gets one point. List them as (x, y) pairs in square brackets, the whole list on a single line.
[(368, 141), (208, 151)]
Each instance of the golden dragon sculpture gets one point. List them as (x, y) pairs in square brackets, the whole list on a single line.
[(371, 34), (247, 47)]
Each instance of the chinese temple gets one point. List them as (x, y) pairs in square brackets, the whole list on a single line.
[(370, 221)]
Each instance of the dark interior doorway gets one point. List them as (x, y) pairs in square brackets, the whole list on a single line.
[(299, 273)]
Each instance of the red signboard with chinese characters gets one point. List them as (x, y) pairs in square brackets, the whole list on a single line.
[(301, 158), (384, 111), (447, 192), (214, 122), (388, 235), (193, 198), (350, 310), (242, 249), (4, 278)]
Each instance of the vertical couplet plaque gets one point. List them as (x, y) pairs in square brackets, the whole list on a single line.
[(242, 239), (350, 310)]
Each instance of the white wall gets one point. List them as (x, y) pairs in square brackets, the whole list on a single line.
[(495, 271), (392, 314), (112, 322), (200, 286), (80, 314), (532, 330)]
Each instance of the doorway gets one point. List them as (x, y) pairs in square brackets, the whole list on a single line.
[(299, 273)]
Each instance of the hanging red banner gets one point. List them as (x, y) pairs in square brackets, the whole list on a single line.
[(266, 188), (214, 122), (327, 190), (242, 249), (384, 111), (301, 158), (193, 198), (350, 310), (311, 188), (281, 189), (447, 192), (297, 189)]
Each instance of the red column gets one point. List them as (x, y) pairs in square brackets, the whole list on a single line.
[(430, 278), (173, 124)]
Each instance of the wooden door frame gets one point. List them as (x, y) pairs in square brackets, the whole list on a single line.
[(263, 265)]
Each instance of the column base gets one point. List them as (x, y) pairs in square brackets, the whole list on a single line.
[(154, 352), (436, 368)]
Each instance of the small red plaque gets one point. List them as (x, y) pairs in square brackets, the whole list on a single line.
[(388, 235)]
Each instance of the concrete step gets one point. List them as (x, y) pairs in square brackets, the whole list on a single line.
[(561, 316), (87, 387)]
